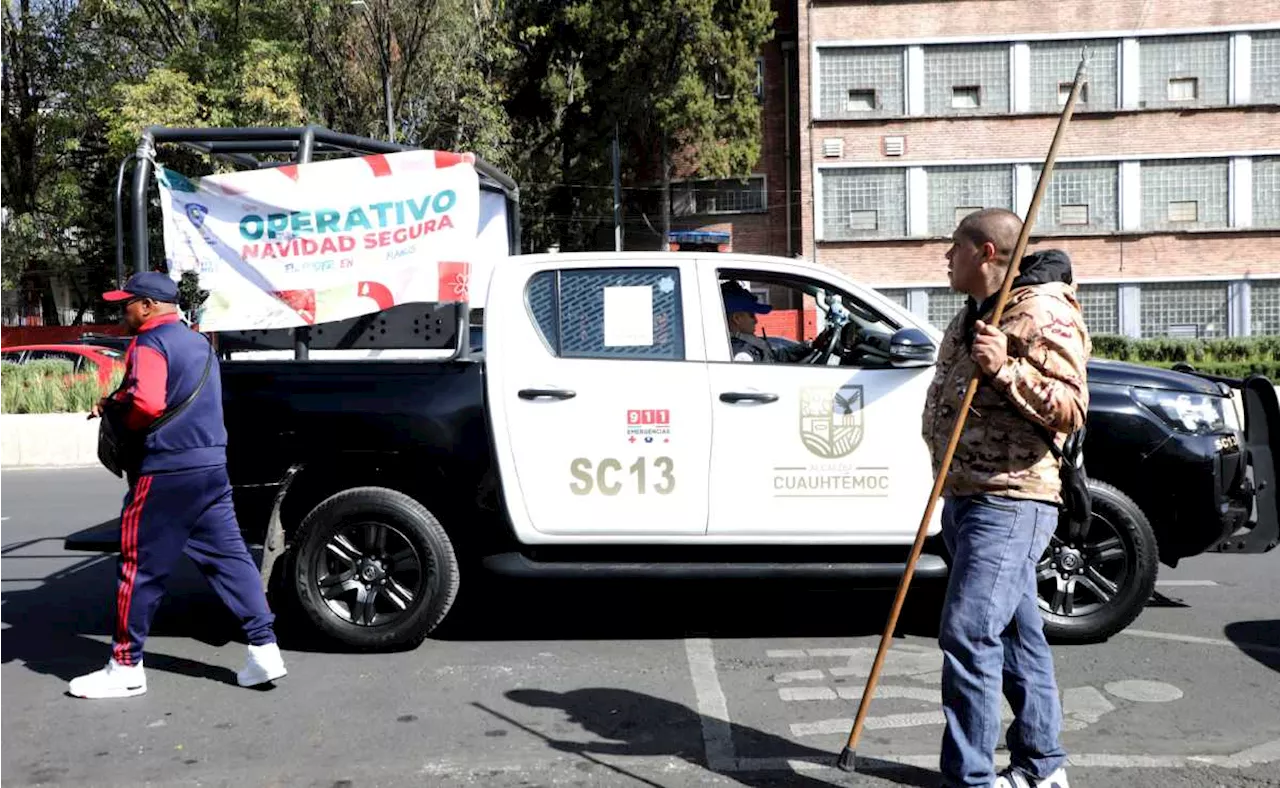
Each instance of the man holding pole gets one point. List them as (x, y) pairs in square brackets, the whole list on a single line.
[(1002, 494)]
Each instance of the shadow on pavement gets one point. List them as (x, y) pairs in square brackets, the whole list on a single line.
[(629, 723), (504, 609), (1266, 634), (62, 623)]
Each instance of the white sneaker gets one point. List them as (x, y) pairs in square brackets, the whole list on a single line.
[(113, 681), (263, 664), (1011, 778)]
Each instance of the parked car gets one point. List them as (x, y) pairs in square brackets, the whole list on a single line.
[(85, 359), (118, 342)]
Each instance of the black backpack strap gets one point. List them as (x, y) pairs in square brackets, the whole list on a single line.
[(173, 412)]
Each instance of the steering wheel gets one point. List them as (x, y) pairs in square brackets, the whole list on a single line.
[(822, 354)]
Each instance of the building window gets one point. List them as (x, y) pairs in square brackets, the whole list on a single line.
[(726, 195), (861, 101), (759, 88), (896, 295), (1082, 197), (1101, 307), (1053, 69), (1073, 214), (1184, 194), (966, 97), (1182, 71), (1265, 67), (1266, 191), (592, 313), (966, 78), (956, 192), (864, 203), (1188, 310), (863, 220), (1264, 308), (944, 305), (847, 76)]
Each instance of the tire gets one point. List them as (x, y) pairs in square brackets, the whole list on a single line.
[(1118, 548), (374, 569)]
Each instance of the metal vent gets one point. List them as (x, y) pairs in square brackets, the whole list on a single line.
[(833, 147), (895, 146)]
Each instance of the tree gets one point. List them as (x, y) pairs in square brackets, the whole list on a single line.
[(677, 77)]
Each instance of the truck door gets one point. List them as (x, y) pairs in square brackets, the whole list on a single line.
[(806, 452), (599, 397)]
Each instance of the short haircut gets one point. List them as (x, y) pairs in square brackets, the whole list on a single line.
[(998, 226)]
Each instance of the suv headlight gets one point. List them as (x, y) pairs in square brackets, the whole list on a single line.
[(1199, 414)]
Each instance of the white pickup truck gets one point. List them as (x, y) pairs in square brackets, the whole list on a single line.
[(604, 430)]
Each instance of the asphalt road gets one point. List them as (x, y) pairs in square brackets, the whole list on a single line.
[(599, 684)]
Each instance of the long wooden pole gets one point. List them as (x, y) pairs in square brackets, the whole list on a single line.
[(848, 757)]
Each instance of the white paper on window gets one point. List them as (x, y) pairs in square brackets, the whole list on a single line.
[(628, 316)]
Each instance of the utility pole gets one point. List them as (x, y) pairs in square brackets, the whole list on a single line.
[(617, 192)]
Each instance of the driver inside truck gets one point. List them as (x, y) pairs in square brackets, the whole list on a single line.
[(741, 308)]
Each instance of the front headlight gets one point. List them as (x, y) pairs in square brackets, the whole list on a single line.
[(1199, 414)]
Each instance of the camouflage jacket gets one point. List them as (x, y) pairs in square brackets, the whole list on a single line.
[(1001, 451)]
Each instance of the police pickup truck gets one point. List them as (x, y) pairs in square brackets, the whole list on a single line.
[(606, 431)]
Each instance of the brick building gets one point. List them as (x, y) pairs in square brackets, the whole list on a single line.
[(907, 114)]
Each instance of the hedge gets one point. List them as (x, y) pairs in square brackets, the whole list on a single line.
[(1234, 358), (49, 387)]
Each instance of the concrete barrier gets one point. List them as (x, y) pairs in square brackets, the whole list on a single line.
[(48, 440)]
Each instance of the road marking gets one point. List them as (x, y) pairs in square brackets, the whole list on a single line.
[(717, 739), (1185, 583), (786, 653), (798, 675), (1256, 647), (855, 693), (806, 693), (887, 721), (1082, 706), (1140, 691)]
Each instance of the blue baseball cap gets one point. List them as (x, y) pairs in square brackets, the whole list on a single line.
[(146, 284), (739, 299)]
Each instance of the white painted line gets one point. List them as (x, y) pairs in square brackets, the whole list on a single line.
[(885, 722), (1140, 691), (1086, 704), (910, 693), (798, 675), (806, 693), (786, 653), (717, 739), (1255, 647), (1185, 583), (834, 652)]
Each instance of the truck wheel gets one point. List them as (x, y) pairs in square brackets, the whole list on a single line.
[(1091, 589), (374, 568)]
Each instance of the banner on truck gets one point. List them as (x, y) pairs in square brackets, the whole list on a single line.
[(312, 243)]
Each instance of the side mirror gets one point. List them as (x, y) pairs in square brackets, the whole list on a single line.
[(911, 347)]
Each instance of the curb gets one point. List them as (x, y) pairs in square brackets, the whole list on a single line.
[(48, 440)]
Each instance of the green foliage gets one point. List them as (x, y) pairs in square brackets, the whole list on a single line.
[(1235, 358), (49, 387)]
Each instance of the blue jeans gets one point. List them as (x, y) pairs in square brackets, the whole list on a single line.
[(992, 638)]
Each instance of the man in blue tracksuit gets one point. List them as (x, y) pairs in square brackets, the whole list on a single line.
[(179, 497)]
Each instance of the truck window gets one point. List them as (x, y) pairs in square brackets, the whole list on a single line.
[(798, 308), (609, 313)]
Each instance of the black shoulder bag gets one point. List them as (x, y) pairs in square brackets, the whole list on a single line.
[(120, 448), (1077, 505)]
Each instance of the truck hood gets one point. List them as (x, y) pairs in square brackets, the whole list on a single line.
[(1120, 373)]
